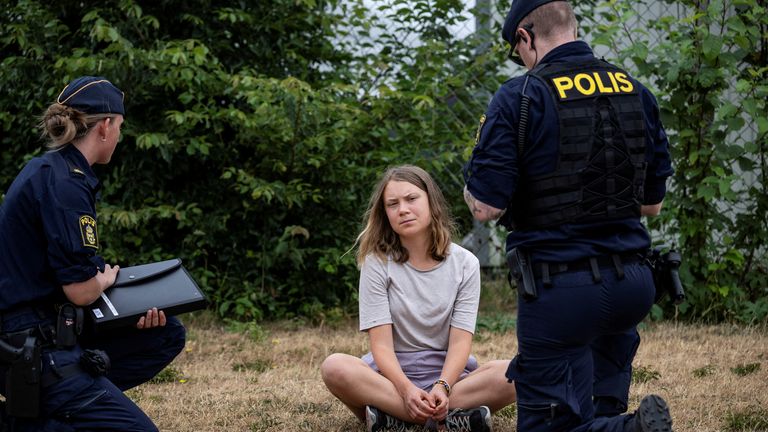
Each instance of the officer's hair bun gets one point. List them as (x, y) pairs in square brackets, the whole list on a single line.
[(62, 124)]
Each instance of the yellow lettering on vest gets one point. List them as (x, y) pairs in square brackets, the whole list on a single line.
[(600, 86), (622, 78), (578, 81), (563, 84), (613, 81)]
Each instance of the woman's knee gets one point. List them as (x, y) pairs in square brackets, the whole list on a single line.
[(335, 368), (504, 389), (496, 368)]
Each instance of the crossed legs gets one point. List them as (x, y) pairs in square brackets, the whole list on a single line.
[(355, 384)]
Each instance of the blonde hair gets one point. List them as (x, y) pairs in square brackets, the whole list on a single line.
[(380, 239), (61, 124), (552, 19)]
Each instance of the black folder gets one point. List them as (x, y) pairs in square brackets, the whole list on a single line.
[(165, 285)]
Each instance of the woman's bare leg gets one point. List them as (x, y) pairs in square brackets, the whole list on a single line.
[(487, 385), (354, 383)]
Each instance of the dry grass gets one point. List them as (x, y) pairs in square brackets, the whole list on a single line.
[(267, 379)]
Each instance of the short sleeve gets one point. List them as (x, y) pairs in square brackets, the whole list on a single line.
[(373, 296), (468, 297), (71, 229)]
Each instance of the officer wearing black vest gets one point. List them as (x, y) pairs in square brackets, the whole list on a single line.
[(55, 375), (569, 157)]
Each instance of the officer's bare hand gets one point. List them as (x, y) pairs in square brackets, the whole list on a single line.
[(108, 276), (154, 318)]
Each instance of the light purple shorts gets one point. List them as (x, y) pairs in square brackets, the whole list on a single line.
[(423, 368)]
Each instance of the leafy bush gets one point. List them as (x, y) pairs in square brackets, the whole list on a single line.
[(253, 136), (709, 68), (255, 131)]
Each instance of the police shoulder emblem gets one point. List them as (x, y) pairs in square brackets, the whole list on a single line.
[(479, 129), (88, 231)]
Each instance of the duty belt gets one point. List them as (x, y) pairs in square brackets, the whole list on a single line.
[(545, 270), (44, 330)]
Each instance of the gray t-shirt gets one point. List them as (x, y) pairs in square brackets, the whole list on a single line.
[(421, 305)]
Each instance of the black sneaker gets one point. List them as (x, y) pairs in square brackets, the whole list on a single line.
[(377, 420), (469, 420), (652, 415)]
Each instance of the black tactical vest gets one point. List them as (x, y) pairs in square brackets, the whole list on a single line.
[(601, 164)]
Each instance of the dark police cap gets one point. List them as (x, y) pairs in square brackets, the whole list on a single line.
[(520, 9), (92, 95)]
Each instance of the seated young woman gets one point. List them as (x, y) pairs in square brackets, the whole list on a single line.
[(418, 300)]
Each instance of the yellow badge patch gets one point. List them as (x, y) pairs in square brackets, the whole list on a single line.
[(479, 129), (88, 231)]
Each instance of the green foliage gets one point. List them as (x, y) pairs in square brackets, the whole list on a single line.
[(168, 375), (509, 411), (746, 369), (253, 330), (752, 418), (704, 371), (644, 374), (709, 69), (498, 323), (254, 130)]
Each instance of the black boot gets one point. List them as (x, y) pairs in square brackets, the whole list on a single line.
[(652, 416)]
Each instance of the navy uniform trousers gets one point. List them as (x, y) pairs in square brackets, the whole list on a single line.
[(86, 403), (577, 340)]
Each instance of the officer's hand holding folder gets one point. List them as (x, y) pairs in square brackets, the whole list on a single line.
[(165, 285)]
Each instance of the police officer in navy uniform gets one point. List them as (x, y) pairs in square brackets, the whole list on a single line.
[(569, 157), (49, 239)]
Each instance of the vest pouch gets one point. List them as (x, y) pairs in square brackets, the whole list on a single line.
[(22, 381)]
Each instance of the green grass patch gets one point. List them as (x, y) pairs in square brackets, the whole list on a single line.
[(644, 374), (704, 371), (509, 412), (168, 375), (253, 330), (496, 295), (746, 369), (266, 421), (498, 323), (753, 418)]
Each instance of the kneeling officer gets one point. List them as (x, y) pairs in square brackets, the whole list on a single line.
[(569, 157), (55, 375)]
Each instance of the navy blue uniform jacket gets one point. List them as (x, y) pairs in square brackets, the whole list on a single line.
[(492, 172), (48, 230)]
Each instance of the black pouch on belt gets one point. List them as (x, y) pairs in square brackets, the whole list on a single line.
[(69, 325)]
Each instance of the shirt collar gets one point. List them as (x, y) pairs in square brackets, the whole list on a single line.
[(76, 160), (565, 51)]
